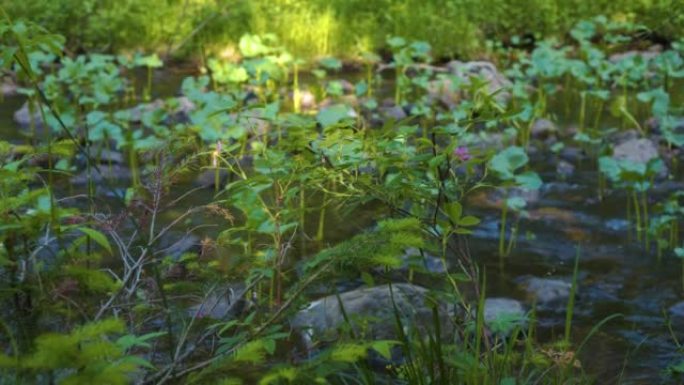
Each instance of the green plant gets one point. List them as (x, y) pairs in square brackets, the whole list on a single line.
[(637, 178), (506, 165)]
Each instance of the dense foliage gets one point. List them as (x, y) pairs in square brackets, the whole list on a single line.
[(343, 28), (107, 183)]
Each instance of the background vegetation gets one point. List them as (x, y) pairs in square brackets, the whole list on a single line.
[(341, 28)]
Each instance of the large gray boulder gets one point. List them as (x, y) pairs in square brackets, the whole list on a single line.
[(370, 311)]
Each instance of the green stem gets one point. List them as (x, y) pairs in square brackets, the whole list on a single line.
[(512, 237), (502, 230), (302, 217), (296, 94), (148, 92), (637, 214), (646, 221), (583, 108), (133, 161), (599, 112), (321, 219), (571, 300)]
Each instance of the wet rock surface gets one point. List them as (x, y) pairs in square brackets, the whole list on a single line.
[(546, 291), (543, 128), (448, 88), (497, 82), (370, 310), (115, 172), (27, 115), (639, 151), (8, 87), (502, 314), (221, 304)]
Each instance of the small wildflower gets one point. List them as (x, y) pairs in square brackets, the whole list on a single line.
[(462, 153)]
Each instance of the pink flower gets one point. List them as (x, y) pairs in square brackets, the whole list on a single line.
[(462, 153)]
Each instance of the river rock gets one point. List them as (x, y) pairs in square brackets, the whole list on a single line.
[(425, 263), (494, 198), (179, 109), (546, 290), (639, 151), (182, 107), (501, 315), (370, 311), (444, 91), (543, 128), (647, 55), (393, 112), (565, 169), (175, 244), (222, 304), (207, 177), (23, 116), (672, 124), (620, 137), (677, 310), (106, 156), (486, 70), (307, 100), (572, 154), (115, 172), (8, 87)]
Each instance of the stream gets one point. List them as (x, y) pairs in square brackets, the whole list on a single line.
[(616, 275)]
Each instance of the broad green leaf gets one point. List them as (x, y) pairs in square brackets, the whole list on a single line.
[(454, 211), (528, 180), (384, 348), (332, 115), (98, 237), (508, 161), (469, 221), (516, 203)]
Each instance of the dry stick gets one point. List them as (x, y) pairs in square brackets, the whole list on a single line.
[(179, 357), (145, 252), (258, 331), (92, 164)]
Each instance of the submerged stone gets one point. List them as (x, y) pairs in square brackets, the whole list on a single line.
[(565, 169), (422, 263), (115, 172), (501, 315), (677, 310), (392, 112), (546, 291)]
